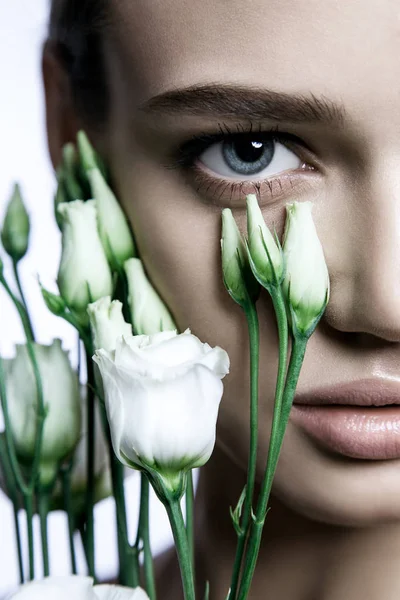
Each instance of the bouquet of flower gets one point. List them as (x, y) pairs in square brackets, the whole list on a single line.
[(152, 394)]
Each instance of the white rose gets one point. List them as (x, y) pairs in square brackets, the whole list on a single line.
[(61, 398), (306, 284), (148, 312), (84, 275), (107, 323), (103, 484), (75, 587), (162, 395)]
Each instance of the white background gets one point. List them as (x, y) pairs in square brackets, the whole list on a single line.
[(24, 158)]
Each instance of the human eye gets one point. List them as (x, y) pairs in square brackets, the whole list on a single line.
[(226, 166)]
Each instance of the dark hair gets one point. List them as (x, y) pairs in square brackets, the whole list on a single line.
[(75, 29)]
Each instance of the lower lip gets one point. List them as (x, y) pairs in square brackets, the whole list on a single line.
[(355, 431)]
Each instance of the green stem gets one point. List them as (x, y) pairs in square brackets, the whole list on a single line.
[(20, 308), (67, 500), (18, 539), (189, 501), (13, 494), (254, 342), (143, 535), (21, 293), (28, 502), (82, 533), (43, 501), (296, 361), (128, 556), (89, 532), (173, 508)]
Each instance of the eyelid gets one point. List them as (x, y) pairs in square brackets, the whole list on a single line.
[(186, 154), (228, 193)]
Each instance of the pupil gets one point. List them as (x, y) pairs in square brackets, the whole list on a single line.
[(249, 152), (248, 156)]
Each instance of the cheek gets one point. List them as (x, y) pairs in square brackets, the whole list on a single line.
[(178, 237)]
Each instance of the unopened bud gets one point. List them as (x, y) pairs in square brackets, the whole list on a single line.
[(16, 227)]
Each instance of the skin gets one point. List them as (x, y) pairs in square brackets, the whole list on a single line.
[(334, 528)]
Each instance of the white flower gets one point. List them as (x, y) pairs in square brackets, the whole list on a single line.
[(102, 474), (75, 587), (148, 312), (238, 278), (61, 398), (306, 284), (162, 394), (114, 230), (84, 275), (260, 244), (107, 323)]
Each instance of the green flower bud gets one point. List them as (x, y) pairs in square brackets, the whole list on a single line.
[(16, 227), (306, 285), (90, 159), (114, 230), (54, 303), (148, 312), (70, 171), (238, 278), (265, 253), (86, 152), (60, 196)]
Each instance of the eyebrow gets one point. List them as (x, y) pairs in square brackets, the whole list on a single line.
[(238, 102)]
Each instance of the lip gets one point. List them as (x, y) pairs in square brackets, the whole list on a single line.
[(365, 392), (353, 419)]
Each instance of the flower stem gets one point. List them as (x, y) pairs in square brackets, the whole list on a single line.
[(43, 501), (21, 293), (127, 555), (20, 309), (18, 540), (143, 535), (254, 342), (296, 361), (66, 486), (13, 494), (173, 508), (89, 531), (189, 501), (28, 502)]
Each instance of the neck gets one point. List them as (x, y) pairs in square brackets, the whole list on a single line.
[(299, 558)]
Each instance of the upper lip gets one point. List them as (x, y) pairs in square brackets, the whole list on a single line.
[(365, 392)]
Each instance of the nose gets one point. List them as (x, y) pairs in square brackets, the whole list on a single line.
[(364, 258)]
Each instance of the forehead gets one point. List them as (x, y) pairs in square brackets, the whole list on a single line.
[(346, 50)]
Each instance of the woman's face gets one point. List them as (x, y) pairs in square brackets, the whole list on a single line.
[(325, 78)]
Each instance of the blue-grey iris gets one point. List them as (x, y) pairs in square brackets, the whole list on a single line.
[(248, 156)]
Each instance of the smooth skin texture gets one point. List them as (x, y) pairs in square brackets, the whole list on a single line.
[(334, 528)]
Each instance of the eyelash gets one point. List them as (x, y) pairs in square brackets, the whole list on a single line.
[(186, 155)]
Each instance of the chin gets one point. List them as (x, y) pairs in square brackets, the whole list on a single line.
[(334, 489)]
